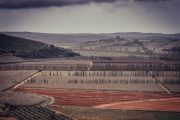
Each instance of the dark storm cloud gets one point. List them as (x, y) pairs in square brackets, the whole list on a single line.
[(20, 4), (151, 0)]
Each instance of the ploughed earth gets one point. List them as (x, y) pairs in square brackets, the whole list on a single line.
[(110, 99)]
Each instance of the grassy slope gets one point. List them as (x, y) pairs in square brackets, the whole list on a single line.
[(18, 44), (31, 49)]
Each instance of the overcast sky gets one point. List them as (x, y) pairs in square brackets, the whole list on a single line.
[(90, 16)]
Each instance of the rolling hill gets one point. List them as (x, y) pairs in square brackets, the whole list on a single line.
[(9, 43), (57, 38), (111, 43), (26, 48)]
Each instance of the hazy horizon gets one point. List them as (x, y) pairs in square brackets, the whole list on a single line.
[(84, 32)]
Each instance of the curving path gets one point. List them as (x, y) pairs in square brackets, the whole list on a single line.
[(162, 104)]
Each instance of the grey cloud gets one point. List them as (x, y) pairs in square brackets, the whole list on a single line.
[(20, 4), (152, 0)]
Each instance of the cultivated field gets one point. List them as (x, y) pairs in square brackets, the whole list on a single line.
[(87, 113), (84, 105), (108, 53), (85, 86), (105, 80), (48, 64), (36, 113), (93, 98), (11, 77)]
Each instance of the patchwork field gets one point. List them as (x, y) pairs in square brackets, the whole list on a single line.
[(117, 76), (105, 80), (116, 90)]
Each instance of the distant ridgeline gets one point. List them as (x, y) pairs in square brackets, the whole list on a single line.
[(31, 49)]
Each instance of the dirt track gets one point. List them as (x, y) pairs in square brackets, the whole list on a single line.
[(164, 104)]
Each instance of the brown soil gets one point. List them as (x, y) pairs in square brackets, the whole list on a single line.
[(165, 104), (111, 99)]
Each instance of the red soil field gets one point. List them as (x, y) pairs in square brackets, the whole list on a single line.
[(84, 98), (165, 104)]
